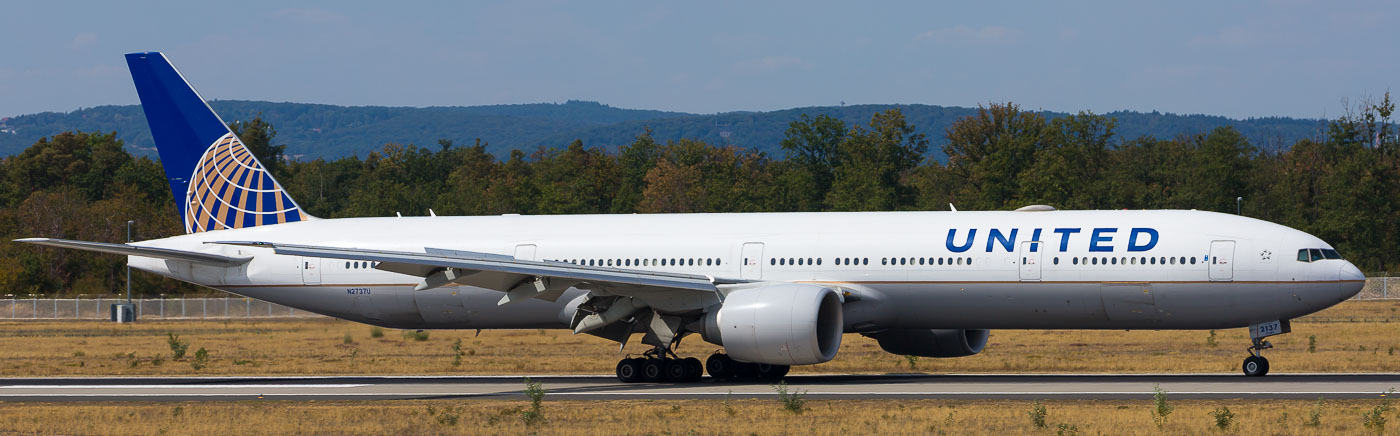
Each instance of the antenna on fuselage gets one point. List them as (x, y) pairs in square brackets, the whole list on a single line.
[(430, 212), (951, 207)]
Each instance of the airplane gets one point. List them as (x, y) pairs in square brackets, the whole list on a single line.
[(773, 289)]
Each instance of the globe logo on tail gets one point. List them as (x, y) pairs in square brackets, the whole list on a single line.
[(230, 190)]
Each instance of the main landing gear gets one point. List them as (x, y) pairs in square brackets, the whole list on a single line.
[(661, 365)]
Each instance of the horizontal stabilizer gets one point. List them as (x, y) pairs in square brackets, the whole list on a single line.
[(134, 250)]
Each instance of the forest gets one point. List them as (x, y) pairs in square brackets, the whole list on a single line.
[(1343, 186)]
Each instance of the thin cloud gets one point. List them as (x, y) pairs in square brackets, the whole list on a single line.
[(767, 64), (962, 34), (313, 15), (83, 40)]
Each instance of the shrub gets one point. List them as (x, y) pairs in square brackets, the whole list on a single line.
[(1160, 408), (1315, 416), (201, 359), (1375, 419), (1210, 340), (728, 408), (177, 347), (1223, 417), (1312, 343), (347, 340), (447, 416), (416, 335), (1037, 414), (1067, 430), (535, 392), (376, 332), (457, 352), (793, 401)]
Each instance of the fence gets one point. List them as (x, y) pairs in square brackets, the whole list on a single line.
[(147, 308), (1377, 288)]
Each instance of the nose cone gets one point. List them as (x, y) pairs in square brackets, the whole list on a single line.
[(1351, 280)]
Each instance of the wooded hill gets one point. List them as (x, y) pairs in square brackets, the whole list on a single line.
[(315, 131)]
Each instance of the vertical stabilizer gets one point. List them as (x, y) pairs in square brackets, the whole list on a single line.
[(217, 183)]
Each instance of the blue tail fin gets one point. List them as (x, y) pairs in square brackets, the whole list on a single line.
[(217, 182)]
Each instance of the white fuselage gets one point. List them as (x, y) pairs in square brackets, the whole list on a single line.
[(1091, 269)]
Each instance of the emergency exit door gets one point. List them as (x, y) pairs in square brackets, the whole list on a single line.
[(751, 267)]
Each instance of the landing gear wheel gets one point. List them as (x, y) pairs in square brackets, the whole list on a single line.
[(654, 370), (629, 370), (1256, 366), (772, 372), (693, 369), (720, 366), (677, 371)]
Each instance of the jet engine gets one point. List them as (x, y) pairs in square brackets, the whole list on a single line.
[(932, 343), (783, 324)]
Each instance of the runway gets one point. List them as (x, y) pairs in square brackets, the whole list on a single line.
[(954, 386)]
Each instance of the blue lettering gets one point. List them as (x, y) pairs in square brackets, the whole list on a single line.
[(1035, 236), (966, 245), (1100, 237), (1006, 243), (1133, 239), (1064, 238)]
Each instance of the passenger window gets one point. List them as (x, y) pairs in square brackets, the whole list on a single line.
[(884, 261), (1095, 260), (1074, 260), (717, 261), (960, 260), (1193, 260), (1173, 261), (865, 261), (707, 262), (1114, 260), (772, 261), (1056, 261), (347, 265), (901, 260), (969, 261)]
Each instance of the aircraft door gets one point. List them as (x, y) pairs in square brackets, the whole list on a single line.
[(1030, 261), (525, 252), (311, 270), (751, 267), (1222, 258)]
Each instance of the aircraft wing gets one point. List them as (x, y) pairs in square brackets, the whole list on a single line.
[(522, 279), (135, 250)]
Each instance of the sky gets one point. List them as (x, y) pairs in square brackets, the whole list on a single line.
[(1237, 59)]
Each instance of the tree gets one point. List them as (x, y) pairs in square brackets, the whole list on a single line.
[(874, 163), (813, 145), (990, 150)]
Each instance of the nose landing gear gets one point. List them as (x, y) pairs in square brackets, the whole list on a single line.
[(1256, 365)]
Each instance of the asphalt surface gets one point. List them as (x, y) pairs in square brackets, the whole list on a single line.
[(957, 386)]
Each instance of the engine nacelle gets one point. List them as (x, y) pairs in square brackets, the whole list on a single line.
[(932, 343), (783, 324)]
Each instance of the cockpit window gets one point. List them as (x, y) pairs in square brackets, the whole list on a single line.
[(1330, 254), (1316, 254), (1303, 255)]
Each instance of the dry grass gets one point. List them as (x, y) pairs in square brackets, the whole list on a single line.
[(759, 416), (1356, 336)]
